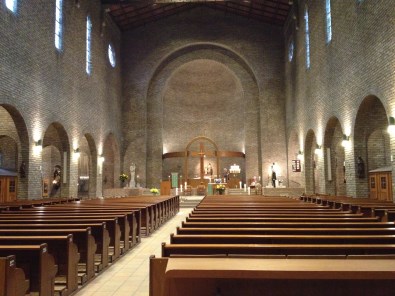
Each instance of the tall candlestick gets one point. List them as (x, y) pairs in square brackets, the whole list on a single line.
[(245, 187), (240, 184), (249, 190)]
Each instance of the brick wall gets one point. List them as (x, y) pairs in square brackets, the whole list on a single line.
[(357, 64), (45, 86), (174, 73)]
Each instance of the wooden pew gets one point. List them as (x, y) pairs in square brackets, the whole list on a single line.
[(287, 224), (111, 224), (12, 279), (38, 265), (128, 226), (276, 249), (99, 232), (281, 239), (278, 230), (64, 251), (278, 215), (142, 214), (286, 277), (82, 238), (133, 216), (148, 212), (279, 219)]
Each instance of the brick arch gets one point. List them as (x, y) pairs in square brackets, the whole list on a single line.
[(111, 165), (56, 153), (17, 130), (371, 141), (310, 162), (88, 149), (335, 181), (241, 71)]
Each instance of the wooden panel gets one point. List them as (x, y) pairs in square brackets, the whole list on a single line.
[(165, 188), (373, 185), (3, 188), (12, 188)]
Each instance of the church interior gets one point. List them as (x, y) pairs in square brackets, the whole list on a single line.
[(265, 128)]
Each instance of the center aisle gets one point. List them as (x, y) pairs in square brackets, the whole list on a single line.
[(130, 274)]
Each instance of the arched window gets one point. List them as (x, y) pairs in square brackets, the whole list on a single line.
[(328, 21), (307, 37), (11, 5), (59, 25), (88, 45), (111, 55)]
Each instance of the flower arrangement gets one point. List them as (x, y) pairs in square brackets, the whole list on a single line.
[(220, 188), (154, 190), (123, 177)]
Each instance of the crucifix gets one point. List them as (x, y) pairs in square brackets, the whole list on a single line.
[(202, 153)]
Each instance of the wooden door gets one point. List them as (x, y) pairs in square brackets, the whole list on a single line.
[(373, 186), (3, 188), (11, 186), (383, 186)]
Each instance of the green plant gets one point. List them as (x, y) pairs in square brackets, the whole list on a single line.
[(154, 190), (123, 177), (220, 188)]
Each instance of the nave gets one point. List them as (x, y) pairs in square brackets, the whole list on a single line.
[(130, 274)]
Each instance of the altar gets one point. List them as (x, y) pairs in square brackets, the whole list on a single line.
[(122, 192)]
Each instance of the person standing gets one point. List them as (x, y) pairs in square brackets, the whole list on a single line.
[(274, 176)]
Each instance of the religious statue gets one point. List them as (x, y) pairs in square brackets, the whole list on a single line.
[(360, 168), (22, 170), (132, 183), (209, 169), (56, 180)]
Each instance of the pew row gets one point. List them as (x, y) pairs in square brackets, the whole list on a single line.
[(254, 276), (12, 279), (38, 265), (65, 254)]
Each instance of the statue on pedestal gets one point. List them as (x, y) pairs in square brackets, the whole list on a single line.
[(132, 183)]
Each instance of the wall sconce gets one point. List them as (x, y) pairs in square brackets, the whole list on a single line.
[(391, 125), (346, 141), (77, 153), (318, 150), (38, 147), (300, 155), (101, 159)]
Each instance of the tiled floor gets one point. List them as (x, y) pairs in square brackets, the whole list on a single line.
[(130, 274)]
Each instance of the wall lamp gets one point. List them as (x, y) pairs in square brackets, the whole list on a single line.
[(391, 125), (101, 159), (77, 153), (300, 155), (38, 147), (346, 141), (318, 150)]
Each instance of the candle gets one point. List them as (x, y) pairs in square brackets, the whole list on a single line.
[(176, 191), (245, 187), (249, 190), (240, 184), (180, 188), (185, 185)]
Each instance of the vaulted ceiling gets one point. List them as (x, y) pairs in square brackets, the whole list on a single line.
[(129, 14)]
